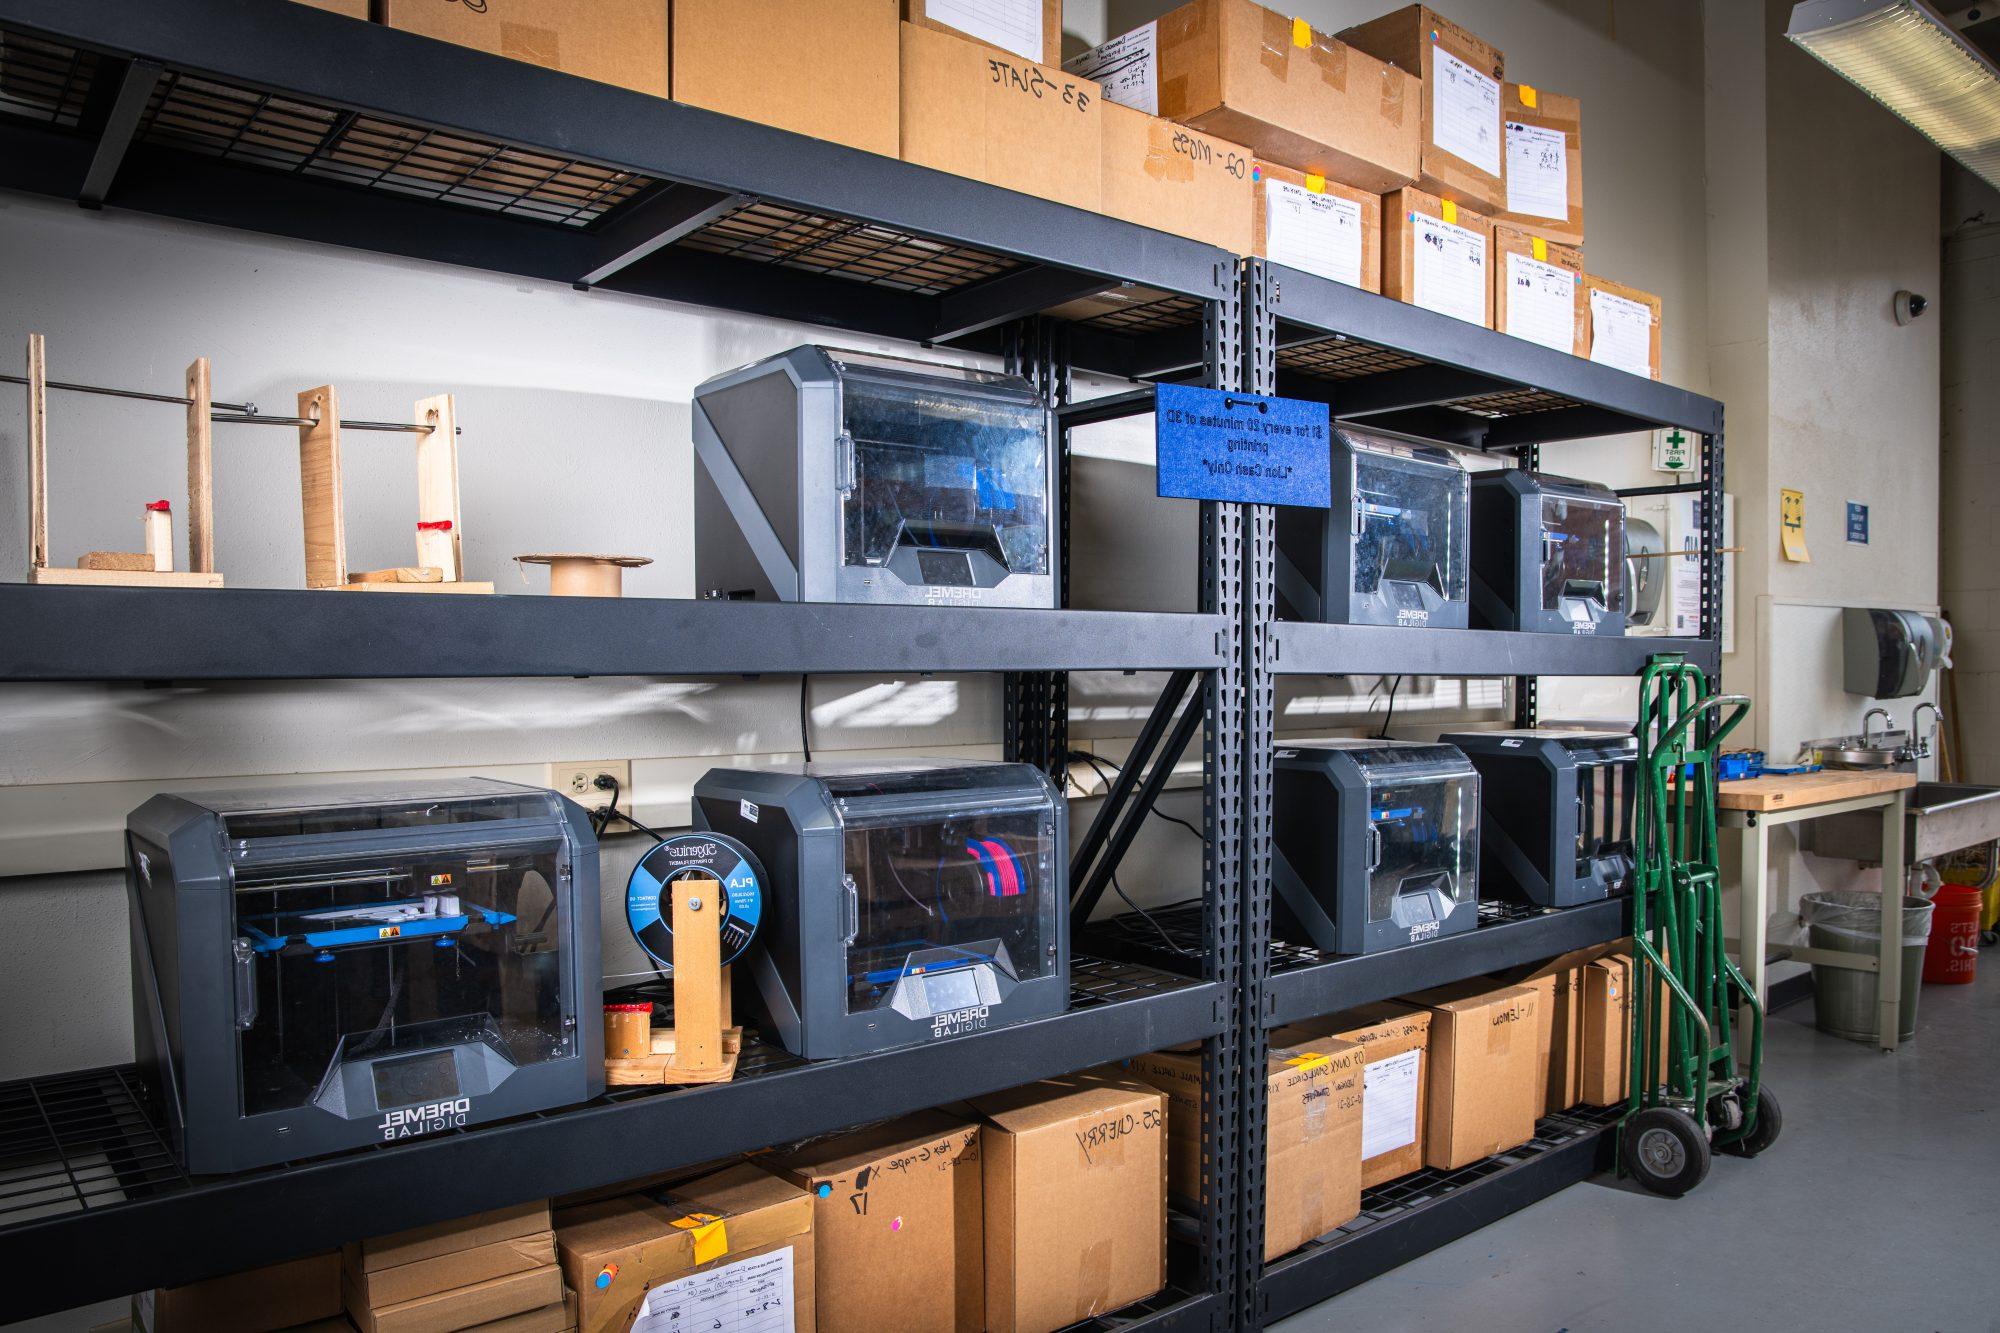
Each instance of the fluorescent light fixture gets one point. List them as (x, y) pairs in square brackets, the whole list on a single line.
[(1905, 55)]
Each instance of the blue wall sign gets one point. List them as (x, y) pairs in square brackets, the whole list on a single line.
[(1243, 448), (1857, 523)]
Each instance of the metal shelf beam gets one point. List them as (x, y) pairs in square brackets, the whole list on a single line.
[(1301, 649)]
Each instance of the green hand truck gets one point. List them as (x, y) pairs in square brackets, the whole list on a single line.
[(1684, 991)]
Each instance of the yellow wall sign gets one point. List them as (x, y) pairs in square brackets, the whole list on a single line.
[(1792, 526)]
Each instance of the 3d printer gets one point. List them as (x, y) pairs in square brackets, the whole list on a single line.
[(906, 900), (831, 476), (1375, 844), (329, 967), (1548, 554), (1555, 812), (1390, 551)]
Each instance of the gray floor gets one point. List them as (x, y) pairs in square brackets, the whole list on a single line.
[(1879, 1209)]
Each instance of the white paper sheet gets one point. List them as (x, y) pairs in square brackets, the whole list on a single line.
[(1011, 25), (745, 1296), (1621, 333), (1128, 67), (1541, 302), (1465, 111), (1316, 233), (1537, 171), (1389, 1103), (1448, 270)]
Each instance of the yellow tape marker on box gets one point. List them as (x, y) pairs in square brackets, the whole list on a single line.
[(1541, 249), (711, 1237), (1315, 182), (1528, 96), (1302, 33), (1309, 1060), (1450, 212)]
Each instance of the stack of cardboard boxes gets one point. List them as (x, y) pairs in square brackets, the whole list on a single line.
[(1394, 156), (495, 1271)]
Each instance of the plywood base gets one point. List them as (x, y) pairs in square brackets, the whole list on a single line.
[(400, 574), (659, 1068), (125, 578), (418, 587), (125, 562)]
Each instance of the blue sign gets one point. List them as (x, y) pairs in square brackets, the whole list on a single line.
[(1243, 448), (1857, 523)]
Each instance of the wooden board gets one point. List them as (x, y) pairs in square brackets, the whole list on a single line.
[(697, 923), (200, 468), (114, 578), (319, 489), (38, 452), (126, 561), (437, 487), (1791, 791), (419, 587), (400, 574)]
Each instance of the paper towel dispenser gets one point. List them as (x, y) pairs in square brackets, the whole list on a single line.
[(1891, 654)]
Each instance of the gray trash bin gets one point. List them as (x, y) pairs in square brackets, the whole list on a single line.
[(1850, 921)]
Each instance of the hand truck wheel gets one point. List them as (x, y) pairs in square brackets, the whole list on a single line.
[(1665, 1149), (1770, 1120)]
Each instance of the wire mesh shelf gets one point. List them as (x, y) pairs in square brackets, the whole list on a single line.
[(43, 81), (76, 1142), (1288, 957)]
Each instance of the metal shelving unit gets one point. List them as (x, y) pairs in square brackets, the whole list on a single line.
[(287, 121)]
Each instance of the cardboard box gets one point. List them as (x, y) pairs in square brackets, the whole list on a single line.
[(1316, 225), (1545, 988), (1483, 1095), (1464, 156), (613, 41), (1538, 290), (1621, 326), (1030, 29), (1437, 255), (1560, 1030), (1075, 1185), (1544, 163), (1607, 1031), (1021, 126), (1393, 1038), (461, 1233), (1292, 94), (1167, 176), (461, 1307), (262, 1299), (824, 68), (897, 1224), (354, 9), (615, 1253), (381, 1287)]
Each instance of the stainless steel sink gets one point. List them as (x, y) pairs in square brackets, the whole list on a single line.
[(1940, 817)]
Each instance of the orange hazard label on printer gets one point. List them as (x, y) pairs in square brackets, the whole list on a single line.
[(438, 881), (387, 932)]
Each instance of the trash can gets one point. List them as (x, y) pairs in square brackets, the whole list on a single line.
[(1850, 921)]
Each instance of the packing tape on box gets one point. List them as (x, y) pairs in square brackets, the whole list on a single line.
[(711, 1235), (1093, 1278), (537, 46), (1393, 80)]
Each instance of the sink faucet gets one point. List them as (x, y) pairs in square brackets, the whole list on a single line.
[(1921, 740), (1868, 717)]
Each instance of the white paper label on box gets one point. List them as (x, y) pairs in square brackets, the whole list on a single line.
[(1389, 1103), (748, 1296), (1541, 302), (1621, 333), (1011, 25), (1314, 233), (1448, 268), (1537, 171), (1127, 66), (1465, 111), (748, 811)]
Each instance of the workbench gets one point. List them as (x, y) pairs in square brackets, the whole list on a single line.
[(1756, 805)]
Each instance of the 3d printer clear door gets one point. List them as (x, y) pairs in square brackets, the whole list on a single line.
[(1420, 849), (1583, 550), (1410, 519)]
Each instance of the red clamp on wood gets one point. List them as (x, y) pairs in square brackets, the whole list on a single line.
[(436, 525), (159, 507)]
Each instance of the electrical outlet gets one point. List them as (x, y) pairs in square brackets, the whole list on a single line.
[(577, 779)]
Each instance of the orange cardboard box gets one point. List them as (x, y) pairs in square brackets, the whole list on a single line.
[(1030, 29), (827, 69), (1437, 255), (1318, 226), (1544, 163), (613, 41), (1464, 155), (1538, 290)]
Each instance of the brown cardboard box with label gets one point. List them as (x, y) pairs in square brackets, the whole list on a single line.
[(1312, 1146), (975, 112), (1561, 1022), (461, 1307), (1293, 94), (1167, 176), (1621, 325), (385, 1286), (1318, 226), (897, 1223), (1483, 1097), (1437, 255), (1607, 1029), (1538, 290), (824, 68), (1030, 29), (1464, 156), (1545, 163), (1075, 1184), (1393, 1038), (262, 1299), (613, 41), (614, 1252)]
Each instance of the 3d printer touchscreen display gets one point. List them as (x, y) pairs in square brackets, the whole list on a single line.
[(411, 1079)]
